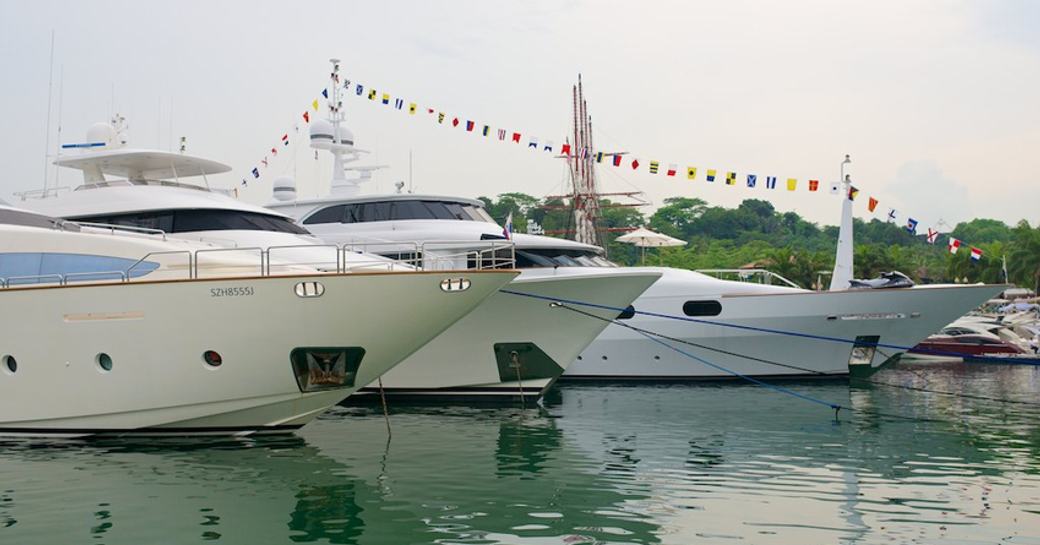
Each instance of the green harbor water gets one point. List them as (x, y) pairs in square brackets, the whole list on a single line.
[(678, 463)]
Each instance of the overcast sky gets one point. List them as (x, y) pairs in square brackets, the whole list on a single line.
[(937, 102)]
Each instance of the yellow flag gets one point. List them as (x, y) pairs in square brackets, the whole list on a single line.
[(691, 172), (372, 94), (315, 104), (731, 178), (711, 175), (792, 184), (411, 108)]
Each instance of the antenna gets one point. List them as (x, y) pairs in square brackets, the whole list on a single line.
[(61, 100), (47, 138)]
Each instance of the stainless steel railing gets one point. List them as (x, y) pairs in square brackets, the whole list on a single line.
[(315, 259), (763, 276)]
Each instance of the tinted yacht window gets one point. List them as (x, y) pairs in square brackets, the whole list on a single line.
[(186, 221), (558, 257), (332, 214)]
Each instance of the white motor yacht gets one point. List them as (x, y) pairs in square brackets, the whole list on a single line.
[(739, 328), (113, 331), (513, 347)]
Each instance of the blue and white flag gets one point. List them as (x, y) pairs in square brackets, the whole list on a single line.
[(911, 226), (399, 103), (892, 214), (770, 182), (751, 180)]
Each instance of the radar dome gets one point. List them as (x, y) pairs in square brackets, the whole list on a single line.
[(322, 134), (284, 189), (102, 133)]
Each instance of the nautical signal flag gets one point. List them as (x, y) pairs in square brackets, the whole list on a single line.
[(853, 192), (872, 204), (398, 103), (792, 184), (386, 98), (617, 159), (274, 151), (412, 107), (654, 165), (256, 172), (360, 89), (711, 175), (599, 156), (501, 134), (954, 244), (566, 150), (455, 122), (371, 94), (485, 130), (315, 105), (835, 188), (325, 92), (731, 178), (891, 214), (814, 185), (932, 235), (911, 226), (548, 146), (672, 169), (635, 164), (469, 126), (516, 137), (533, 143), (285, 139), (976, 254), (306, 117), (691, 172), (440, 117), (770, 182), (752, 180)]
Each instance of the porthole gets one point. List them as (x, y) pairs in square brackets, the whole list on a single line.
[(10, 364), (702, 308), (104, 362), (212, 358), (628, 313), (604, 357)]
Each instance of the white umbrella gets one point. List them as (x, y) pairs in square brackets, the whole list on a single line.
[(645, 238)]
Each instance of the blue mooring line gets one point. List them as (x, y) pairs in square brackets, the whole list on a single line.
[(1006, 361)]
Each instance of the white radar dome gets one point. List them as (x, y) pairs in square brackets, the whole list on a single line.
[(102, 133), (284, 189), (322, 134)]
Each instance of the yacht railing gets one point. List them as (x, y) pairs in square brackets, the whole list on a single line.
[(113, 229), (763, 276), (308, 259)]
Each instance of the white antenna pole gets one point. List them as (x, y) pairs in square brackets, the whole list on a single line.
[(61, 101), (50, 88)]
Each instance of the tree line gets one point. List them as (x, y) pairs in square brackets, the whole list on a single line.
[(755, 234)]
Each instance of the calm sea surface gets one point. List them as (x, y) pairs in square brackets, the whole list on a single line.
[(597, 464)]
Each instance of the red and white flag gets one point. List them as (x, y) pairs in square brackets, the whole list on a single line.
[(976, 254), (932, 235), (954, 244), (672, 168)]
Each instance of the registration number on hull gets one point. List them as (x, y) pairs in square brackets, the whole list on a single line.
[(236, 291)]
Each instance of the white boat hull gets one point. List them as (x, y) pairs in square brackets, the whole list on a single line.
[(463, 363), (899, 317), (156, 333)]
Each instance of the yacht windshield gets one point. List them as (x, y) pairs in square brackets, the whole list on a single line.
[(558, 257), (187, 221), (398, 210)]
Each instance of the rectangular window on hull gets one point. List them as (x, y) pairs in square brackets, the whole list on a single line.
[(702, 308)]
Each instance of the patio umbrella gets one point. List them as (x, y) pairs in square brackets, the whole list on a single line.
[(645, 238)]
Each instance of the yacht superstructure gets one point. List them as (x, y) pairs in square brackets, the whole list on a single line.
[(149, 345)]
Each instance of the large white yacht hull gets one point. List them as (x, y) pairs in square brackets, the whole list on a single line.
[(899, 317), (156, 333), (466, 361)]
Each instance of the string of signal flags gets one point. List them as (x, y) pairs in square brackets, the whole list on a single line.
[(650, 166)]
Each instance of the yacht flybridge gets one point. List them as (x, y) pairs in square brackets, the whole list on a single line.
[(742, 328), (150, 343)]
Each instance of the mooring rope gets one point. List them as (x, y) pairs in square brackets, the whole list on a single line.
[(1006, 361)]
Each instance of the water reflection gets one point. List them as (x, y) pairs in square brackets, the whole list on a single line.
[(599, 464)]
